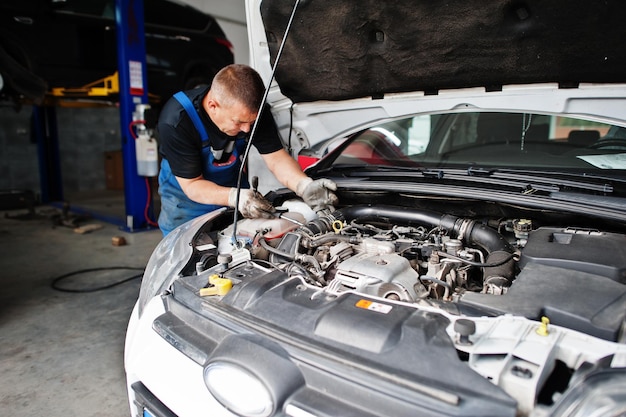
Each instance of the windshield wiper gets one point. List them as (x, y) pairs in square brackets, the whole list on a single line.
[(433, 173), (527, 181), (555, 181)]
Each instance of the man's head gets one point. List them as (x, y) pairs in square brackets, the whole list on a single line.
[(234, 99)]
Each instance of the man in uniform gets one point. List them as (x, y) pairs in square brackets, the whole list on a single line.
[(203, 134)]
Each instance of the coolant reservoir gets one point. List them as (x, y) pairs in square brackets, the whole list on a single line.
[(250, 230), (269, 228)]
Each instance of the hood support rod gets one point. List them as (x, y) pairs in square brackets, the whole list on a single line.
[(256, 122)]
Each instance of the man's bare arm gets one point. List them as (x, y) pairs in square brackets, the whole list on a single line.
[(284, 168), (204, 191)]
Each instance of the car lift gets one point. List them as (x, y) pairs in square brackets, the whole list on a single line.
[(131, 83), (104, 87), (131, 63)]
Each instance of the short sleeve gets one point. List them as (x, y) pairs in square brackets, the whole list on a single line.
[(267, 139), (179, 144)]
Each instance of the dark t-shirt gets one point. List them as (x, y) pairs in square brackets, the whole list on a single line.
[(181, 144)]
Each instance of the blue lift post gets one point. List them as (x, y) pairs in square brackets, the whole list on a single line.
[(45, 129), (131, 62)]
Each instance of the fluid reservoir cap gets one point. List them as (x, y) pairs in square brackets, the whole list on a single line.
[(465, 328), (224, 258), (523, 225), (453, 246)]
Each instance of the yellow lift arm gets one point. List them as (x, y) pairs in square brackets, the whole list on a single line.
[(100, 88)]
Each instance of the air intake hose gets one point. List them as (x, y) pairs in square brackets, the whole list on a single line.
[(472, 232)]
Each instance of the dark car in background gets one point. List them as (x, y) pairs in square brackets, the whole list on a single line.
[(46, 44)]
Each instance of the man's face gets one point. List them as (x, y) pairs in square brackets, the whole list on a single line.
[(231, 119)]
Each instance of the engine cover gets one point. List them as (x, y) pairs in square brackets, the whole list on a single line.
[(384, 275)]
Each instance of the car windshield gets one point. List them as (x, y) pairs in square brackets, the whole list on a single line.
[(490, 139)]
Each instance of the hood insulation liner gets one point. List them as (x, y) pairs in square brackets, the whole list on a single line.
[(358, 48)]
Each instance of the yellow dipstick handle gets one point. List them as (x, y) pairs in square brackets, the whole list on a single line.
[(221, 286)]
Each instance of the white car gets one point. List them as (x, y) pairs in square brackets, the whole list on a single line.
[(476, 262)]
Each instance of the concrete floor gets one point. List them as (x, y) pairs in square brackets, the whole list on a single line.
[(61, 353)]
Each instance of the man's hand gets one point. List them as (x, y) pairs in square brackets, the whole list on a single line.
[(318, 194), (252, 204)]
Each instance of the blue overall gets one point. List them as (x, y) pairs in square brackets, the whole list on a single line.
[(176, 207)]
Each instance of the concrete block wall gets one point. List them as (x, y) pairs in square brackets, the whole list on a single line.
[(19, 166), (85, 134)]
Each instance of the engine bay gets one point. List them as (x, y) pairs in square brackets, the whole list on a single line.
[(462, 265), (523, 301)]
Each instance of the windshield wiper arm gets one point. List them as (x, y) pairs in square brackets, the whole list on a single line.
[(557, 181), (433, 173), (527, 180)]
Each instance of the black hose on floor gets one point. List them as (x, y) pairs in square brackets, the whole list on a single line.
[(57, 280)]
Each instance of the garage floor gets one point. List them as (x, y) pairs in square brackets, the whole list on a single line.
[(61, 353)]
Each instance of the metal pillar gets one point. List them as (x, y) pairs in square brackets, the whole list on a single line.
[(44, 124), (131, 62)]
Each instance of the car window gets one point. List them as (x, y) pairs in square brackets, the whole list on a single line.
[(94, 8), (177, 15), (490, 138), (23, 6), (169, 13)]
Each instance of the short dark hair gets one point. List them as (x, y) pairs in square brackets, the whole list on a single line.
[(238, 82)]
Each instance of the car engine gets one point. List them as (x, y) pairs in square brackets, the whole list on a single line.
[(527, 302), (472, 267)]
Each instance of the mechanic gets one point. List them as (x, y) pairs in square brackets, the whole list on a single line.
[(202, 137)]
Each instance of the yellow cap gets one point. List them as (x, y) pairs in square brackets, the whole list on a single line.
[(221, 286), (542, 330)]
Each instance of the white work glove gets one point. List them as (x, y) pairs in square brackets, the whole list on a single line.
[(318, 194), (252, 204)]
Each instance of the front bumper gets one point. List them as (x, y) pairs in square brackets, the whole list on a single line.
[(161, 378), (169, 347)]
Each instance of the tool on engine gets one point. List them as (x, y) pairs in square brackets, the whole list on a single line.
[(255, 184), (255, 189), (279, 210)]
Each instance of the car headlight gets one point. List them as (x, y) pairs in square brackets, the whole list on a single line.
[(599, 394), (251, 376), (238, 390)]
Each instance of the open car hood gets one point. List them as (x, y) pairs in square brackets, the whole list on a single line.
[(355, 54), (365, 48)]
